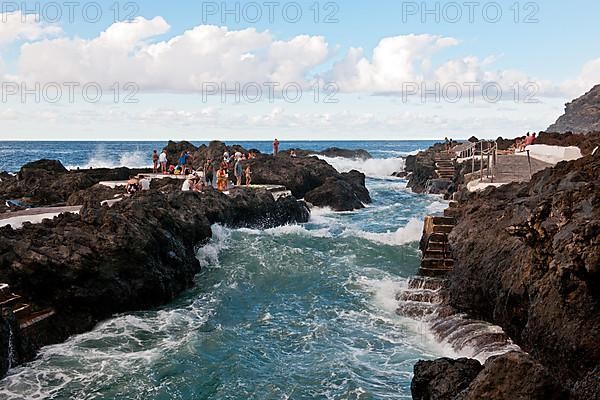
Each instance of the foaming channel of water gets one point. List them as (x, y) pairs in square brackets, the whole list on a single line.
[(301, 311)]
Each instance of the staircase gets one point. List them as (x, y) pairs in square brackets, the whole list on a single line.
[(25, 315), (437, 260), (444, 165)]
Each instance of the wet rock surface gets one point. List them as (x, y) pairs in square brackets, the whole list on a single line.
[(139, 253), (528, 259), (444, 378)]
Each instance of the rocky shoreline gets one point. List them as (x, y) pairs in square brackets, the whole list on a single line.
[(527, 259), (141, 251)]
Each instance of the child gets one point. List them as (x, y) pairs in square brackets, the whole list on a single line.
[(222, 179), (248, 174)]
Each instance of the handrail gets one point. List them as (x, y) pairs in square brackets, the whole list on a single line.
[(491, 151)]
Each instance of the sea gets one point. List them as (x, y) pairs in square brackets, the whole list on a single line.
[(301, 311)]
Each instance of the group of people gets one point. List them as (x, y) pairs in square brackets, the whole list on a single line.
[(521, 144), (134, 185)]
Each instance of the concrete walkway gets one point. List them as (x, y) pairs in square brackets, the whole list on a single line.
[(509, 168), (16, 219)]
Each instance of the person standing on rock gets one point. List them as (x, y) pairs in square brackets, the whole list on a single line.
[(163, 161), (155, 162), (275, 147), (238, 172), (208, 172), (248, 174), (222, 178)]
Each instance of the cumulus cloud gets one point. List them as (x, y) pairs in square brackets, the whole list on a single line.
[(15, 27), (125, 53), (588, 78), (395, 60)]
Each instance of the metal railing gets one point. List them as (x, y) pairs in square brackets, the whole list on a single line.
[(479, 151)]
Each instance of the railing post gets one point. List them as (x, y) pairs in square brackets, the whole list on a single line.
[(529, 161), (481, 163)]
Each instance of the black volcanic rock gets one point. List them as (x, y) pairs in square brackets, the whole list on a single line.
[(528, 259), (345, 153), (139, 253), (444, 378), (514, 376), (336, 193), (174, 150), (582, 115), (302, 175), (333, 152)]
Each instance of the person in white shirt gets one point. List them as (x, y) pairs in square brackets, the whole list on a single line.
[(163, 161), (187, 185), (144, 183)]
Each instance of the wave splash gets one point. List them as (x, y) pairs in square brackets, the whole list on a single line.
[(374, 167), (103, 158)]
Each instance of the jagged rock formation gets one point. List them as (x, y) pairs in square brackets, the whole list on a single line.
[(511, 376), (312, 179), (47, 182), (528, 259), (139, 253), (335, 152), (582, 115)]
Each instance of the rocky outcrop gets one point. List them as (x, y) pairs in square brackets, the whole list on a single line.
[(444, 378), (139, 253), (47, 182), (511, 376), (582, 115), (304, 175), (528, 259), (586, 143), (334, 152)]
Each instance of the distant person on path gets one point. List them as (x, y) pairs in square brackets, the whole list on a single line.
[(248, 174), (238, 172), (163, 161), (155, 159), (276, 147), (208, 172)]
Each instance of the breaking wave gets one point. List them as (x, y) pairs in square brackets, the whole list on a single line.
[(404, 235), (374, 167)]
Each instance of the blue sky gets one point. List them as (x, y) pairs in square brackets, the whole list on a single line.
[(560, 53)]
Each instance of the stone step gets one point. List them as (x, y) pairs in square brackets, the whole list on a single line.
[(421, 282), (442, 228), (436, 245), (4, 291), (35, 318), (439, 237), (420, 295), (452, 212), (21, 311), (434, 272), (444, 165), (10, 301), (415, 309), (444, 221), (437, 263), (435, 254)]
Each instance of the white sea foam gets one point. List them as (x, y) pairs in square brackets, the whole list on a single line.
[(406, 234), (209, 253), (102, 158), (374, 167), (437, 206)]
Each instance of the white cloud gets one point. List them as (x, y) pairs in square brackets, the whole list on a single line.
[(588, 78), (12, 28), (395, 61), (181, 64)]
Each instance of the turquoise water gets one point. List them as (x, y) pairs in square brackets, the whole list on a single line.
[(296, 312)]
